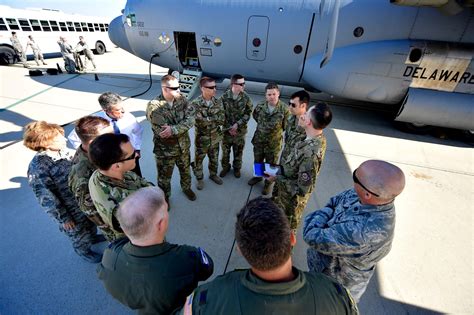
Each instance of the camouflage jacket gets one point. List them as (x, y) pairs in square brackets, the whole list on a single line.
[(353, 237), (107, 193), (48, 177), (81, 171), (236, 111), (16, 44), (270, 126), (293, 135), (302, 165), (209, 121), (180, 117)]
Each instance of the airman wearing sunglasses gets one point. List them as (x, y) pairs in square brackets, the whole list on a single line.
[(209, 116)]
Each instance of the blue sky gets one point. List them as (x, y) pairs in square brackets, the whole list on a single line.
[(105, 8)]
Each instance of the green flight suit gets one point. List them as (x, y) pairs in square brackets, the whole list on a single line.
[(236, 111), (300, 169), (208, 130), (153, 279), (174, 150), (242, 292)]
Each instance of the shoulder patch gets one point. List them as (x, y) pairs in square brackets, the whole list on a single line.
[(305, 177)]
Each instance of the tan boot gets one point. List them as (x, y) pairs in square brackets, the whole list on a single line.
[(224, 172), (216, 179), (190, 194)]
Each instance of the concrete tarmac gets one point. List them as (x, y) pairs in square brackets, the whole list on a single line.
[(428, 271)]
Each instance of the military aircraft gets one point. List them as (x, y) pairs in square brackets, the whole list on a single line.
[(415, 53)]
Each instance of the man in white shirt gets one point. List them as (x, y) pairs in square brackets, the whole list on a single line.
[(122, 122)]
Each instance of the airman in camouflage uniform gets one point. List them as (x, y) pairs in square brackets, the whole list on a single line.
[(19, 49), (355, 229), (271, 117), (302, 165), (237, 108), (36, 50), (88, 128), (171, 116), (113, 181), (48, 177), (88, 55), (209, 116)]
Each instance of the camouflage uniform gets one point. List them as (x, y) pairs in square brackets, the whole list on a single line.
[(88, 55), (48, 176), (300, 169), (19, 50), (36, 51), (107, 193), (68, 55), (268, 135), (175, 149), (236, 111), (208, 129), (293, 135), (81, 171), (347, 239)]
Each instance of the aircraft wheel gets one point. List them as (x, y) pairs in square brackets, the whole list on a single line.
[(7, 55), (414, 128), (99, 48)]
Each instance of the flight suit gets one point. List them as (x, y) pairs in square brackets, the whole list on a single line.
[(242, 292), (153, 279), (174, 150), (107, 193), (78, 182), (300, 169), (236, 111), (208, 130)]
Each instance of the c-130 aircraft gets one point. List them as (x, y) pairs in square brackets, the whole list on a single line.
[(415, 53)]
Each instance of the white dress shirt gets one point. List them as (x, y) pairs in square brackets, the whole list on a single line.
[(128, 125)]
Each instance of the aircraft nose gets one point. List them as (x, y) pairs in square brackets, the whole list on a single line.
[(117, 34)]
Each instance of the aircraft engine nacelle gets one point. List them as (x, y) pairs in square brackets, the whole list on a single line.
[(428, 107), (370, 72)]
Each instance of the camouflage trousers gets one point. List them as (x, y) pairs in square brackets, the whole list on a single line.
[(354, 280), (264, 152), (22, 56), (82, 234), (212, 152), (237, 145), (293, 205), (165, 166), (38, 56)]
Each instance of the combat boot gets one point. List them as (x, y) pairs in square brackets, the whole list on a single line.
[(200, 184), (237, 172), (266, 188), (216, 179), (190, 194), (91, 256), (224, 171), (254, 180)]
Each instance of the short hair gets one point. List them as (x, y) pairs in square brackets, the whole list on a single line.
[(30, 36), (81, 37), (205, 80), (263, 234), (89, 127), (236, 77), (106, 150), (167, 78), (271, 86), (13, 33), (303, 96), (136, 211), (38, 135), (109, 99), (320, 115)]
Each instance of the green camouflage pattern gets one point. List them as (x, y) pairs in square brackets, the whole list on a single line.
[(78, 182), (236, 111), (174, 150), (267, 138), (107, 193), (300, 170), (347, 239), (208, 134), (48, 178), (293, 135)]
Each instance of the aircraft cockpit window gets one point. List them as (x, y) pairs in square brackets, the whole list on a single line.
[(131, 19), (13, 24)]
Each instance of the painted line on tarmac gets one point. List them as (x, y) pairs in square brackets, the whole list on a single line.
[(40, 92)]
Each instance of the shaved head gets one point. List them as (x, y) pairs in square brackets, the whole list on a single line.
[(139, 213), (383, 178)]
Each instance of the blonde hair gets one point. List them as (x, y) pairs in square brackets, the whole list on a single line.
[(38, 135)]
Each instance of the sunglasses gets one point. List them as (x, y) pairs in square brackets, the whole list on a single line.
[(174, 88), (210, 87), (131, 157), (241, 84), (357, 181), (292, 104)]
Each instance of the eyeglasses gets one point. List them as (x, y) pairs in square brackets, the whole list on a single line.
[(210, 87), (292, 104), (357, 181), (174, 88), (131, 157), (241, 84)]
